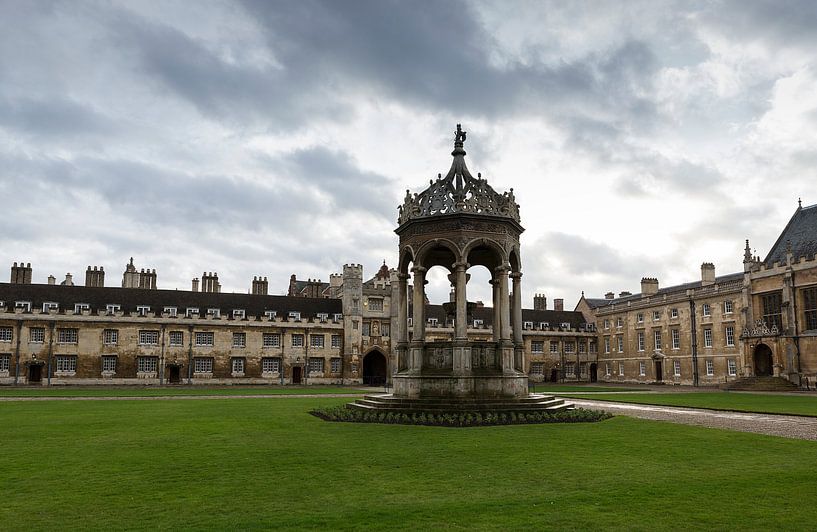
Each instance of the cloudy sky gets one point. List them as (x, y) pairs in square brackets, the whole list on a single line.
[(271, 138)]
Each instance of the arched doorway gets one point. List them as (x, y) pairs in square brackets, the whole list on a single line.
[(763, 361), (374, 369)]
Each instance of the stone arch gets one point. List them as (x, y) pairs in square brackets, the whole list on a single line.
[(406, 257), (763, 360), (438, 252), (375, 367), (484, 252), (514, 260)]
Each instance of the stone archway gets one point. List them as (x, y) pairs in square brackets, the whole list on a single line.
[(763, 361), (374, 368)]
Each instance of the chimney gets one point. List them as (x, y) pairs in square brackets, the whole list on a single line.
[(559, 304), (21, 274), (260, 287), (540, 302), (69, 280), (293, 286), (95, 277), (52, 280), (609, 295), (209, 282), (195, 284), (625, 294), (649, 286), (707, 274)]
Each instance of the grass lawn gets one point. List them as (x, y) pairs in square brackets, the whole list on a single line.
[(261, 463), (155, 391), (553, 388), (802, 405)]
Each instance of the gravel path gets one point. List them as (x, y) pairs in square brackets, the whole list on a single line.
[(798, 427)]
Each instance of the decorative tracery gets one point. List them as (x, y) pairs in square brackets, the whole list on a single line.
[(458, 192)]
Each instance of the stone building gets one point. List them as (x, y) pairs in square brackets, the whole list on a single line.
[(761, 322)]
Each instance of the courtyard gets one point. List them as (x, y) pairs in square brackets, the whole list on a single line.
[(246, 463)]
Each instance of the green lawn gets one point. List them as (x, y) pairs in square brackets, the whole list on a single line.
[(261, 463), (802, 405), (553, 388), (156, 391)]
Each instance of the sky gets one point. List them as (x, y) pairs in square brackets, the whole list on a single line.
[(271, 138)]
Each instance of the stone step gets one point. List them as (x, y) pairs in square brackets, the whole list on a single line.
[(409, 410), (389, 403), (533, 398), (761, 384), (463, 407)]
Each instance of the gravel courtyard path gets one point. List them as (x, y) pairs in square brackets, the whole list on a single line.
[(798, 427)]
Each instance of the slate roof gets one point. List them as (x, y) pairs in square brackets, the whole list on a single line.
[(129, 298), (801, 232), (486, 314), (300, 286), (597, 302), (671, 289)]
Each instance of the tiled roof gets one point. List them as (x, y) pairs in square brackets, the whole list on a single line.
[(800, 233), (129, 298)]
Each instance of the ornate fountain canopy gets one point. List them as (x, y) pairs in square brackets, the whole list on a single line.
[(458, 192)]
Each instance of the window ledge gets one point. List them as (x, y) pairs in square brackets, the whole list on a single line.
[(65, 373), (203, 375), (145, 374), (237, 374)]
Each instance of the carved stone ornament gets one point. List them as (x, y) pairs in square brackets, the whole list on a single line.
[(458, 192), (760, 329)]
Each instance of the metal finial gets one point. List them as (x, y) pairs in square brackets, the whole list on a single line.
[(799, 203)]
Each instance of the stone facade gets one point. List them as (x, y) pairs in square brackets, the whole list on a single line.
[(761, 322)]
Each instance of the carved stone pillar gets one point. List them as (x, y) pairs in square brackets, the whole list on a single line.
[(461, 323), (505, 303), (402, 321), (516, 319), (419, 318), (497, 326)]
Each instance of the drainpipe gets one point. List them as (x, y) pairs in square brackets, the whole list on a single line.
[(694, 326), (17, 354), (281, 363), (306, 355), (796, 331), (162, 358), (52, 326), (190, 355)]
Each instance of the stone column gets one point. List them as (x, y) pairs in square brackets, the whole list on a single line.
[(461, 279), (516, 319), (505, 303), (402, 320), (497, 326), (419, 318)]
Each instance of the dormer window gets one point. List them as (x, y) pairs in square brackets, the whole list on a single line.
[(337, 317), (527, 325), (171, 311), (295, 316), (142, 310), (192, 312), (25, 306), (432, 322), (323, 317), (239, 314), (2, 304), (543, 325), (80, 307), (270, 314), (214, 312), (477, 323), (564, 325), (50, 305), (112, 308)]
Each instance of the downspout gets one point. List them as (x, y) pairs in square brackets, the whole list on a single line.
[(306, 355), (52, 326), (162, 358), (694, 326), (796, 328), (190, 355), (17, 354)]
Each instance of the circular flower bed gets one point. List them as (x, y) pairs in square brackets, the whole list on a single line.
[(459, 419)]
